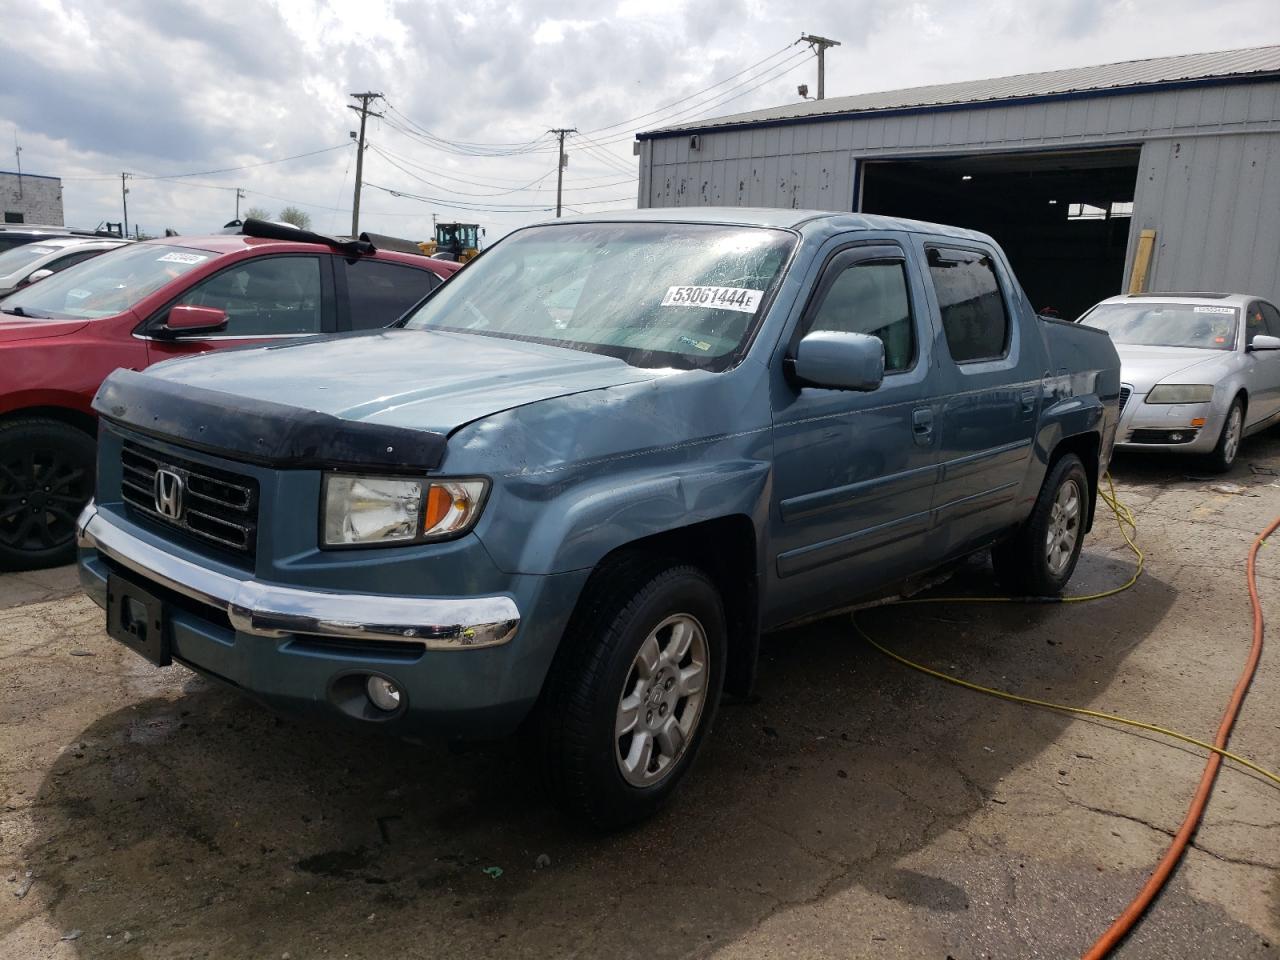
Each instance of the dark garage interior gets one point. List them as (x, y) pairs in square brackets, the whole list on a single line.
[(1063, 218)]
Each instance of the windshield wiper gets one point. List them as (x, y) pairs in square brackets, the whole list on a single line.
[(19, 312)]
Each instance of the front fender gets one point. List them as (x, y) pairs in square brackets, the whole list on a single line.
[(578, 529)]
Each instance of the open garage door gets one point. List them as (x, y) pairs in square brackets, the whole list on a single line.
[(1063, 218)]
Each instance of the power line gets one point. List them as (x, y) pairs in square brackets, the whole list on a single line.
[(209, 173), (515, 208), (696, 93), (496, 183), (786, 67)]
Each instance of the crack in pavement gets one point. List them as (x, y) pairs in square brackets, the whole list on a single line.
[(1239, 861)]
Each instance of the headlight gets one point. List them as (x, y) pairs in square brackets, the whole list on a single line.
[(386, 510), (1181, 393)]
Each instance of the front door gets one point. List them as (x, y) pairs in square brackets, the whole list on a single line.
[(1263, 366), (854, 471)]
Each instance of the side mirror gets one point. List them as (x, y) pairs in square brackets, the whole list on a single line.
[(840, 361), (35, 277), (1264, 342), (185, 318)]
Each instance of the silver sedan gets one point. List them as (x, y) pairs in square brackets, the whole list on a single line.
[(1199, 371)]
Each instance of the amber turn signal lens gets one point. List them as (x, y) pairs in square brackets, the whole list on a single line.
[(1198, 422)]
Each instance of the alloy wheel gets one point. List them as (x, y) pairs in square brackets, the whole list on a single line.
[(661, 700), (1064, 527)]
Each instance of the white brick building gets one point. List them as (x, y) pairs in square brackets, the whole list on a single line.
[(30, 198)]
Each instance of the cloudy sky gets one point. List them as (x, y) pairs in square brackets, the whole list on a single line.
[(180, 89)]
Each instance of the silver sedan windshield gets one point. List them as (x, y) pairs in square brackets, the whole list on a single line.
[(1166, 324)]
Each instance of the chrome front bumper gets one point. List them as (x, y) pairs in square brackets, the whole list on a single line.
[(266, 610)]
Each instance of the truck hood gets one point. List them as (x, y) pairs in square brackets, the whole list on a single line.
[(18, 328), (1144, 367), (385, 398), (419, 379)]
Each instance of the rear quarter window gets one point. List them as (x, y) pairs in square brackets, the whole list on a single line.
[(975, 317)]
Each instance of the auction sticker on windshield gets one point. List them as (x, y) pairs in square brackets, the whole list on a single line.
[(183, 258), (719, 298), (1215, 309)]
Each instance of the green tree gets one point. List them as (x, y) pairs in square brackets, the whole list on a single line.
[(295, 216), (257, 213)]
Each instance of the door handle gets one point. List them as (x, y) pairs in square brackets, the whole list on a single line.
[(1028, 401), (922, 425)]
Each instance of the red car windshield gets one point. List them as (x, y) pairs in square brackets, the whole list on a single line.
[(105, 285)]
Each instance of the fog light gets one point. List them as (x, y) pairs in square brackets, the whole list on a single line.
[(1173, 437), (384, 694)]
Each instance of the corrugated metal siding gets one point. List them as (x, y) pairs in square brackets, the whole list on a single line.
[(1214, 203), (808, 165), (1209, 180)]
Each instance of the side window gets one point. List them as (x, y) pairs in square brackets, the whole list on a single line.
[(1270, 319), (974, 316), (871, 297), (265, 297), (380, 292)]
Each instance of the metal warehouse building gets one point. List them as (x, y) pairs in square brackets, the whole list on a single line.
[(1149, 175)]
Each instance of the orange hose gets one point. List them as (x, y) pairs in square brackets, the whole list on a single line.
[(1164, 869)]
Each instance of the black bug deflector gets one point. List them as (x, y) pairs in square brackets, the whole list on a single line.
[(260, 431)]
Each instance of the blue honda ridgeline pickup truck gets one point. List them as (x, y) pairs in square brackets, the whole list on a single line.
[(577, 482)]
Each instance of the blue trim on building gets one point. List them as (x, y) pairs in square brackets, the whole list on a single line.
[(24, 175), (1159, 86)]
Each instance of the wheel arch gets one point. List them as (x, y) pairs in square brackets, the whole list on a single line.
[(725, 548), (1088, 447), (86, 423)]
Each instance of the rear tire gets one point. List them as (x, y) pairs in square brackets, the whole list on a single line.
[(46, 478), (1039, 559), (1224, 454), (634, 690)]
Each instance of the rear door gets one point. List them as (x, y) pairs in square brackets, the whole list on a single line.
[(992, 369), (375, 293), (854, 471), (266, 298)]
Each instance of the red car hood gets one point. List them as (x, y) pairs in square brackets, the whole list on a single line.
[(16, 328)]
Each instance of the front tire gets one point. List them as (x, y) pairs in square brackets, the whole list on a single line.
[(1039, 559), (1224, 454), (46, 478), (634, 690)]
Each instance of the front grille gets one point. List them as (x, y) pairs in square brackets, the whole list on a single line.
[(1124, 396), (217, 506)]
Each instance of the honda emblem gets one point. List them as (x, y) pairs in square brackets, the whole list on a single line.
[(168, 494)]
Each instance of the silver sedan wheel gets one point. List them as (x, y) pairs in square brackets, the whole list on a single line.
[(1064, 527), (1231, 438), (661, 701)]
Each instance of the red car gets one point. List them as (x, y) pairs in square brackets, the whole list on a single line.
[(152, 301)]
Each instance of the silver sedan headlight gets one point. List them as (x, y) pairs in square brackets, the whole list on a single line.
[(1181, 393), (373, 511)]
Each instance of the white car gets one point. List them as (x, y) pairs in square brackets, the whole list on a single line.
[(32, 262), (1198, 371)]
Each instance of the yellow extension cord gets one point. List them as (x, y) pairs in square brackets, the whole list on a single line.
[(1126, 522)]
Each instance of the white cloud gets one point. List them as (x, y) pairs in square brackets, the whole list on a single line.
[(172, 86)]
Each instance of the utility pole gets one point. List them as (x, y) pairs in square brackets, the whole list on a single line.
[(560, 132), (124, 201), (364, 111), (819, 46), (239, 197), (17, 153)]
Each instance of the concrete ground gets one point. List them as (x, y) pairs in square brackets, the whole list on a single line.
[(853, 808)]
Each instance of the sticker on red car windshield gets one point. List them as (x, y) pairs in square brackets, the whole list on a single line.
[(718, 298), (1215, 309), (183, 258)]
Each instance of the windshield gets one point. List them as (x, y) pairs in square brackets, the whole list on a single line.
[(11, 261), (652, 294), (1166, 324), (105, 285)]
